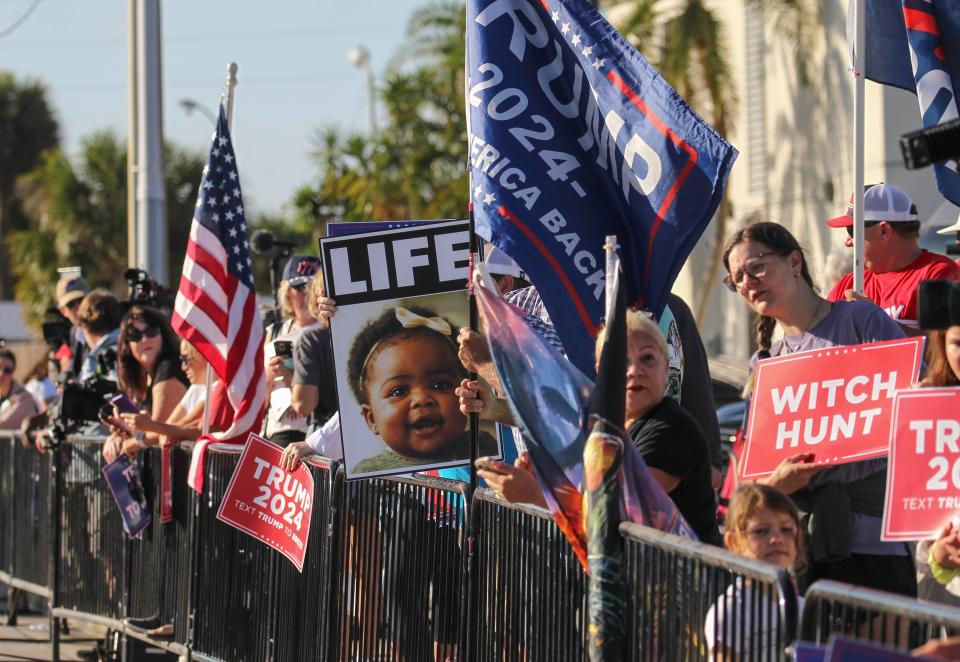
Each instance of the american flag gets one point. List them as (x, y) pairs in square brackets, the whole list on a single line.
[(215, 308)]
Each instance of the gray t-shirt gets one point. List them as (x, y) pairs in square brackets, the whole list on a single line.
[(313, 365), (849, 323)]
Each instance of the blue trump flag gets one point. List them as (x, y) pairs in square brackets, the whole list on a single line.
[(573, 136), (915, 45)]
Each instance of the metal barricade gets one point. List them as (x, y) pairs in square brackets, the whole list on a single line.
[(691, 601), (401, 569), (7, 442), (30, 519), (287, 615), (304, 619), (893, 620), (531, 590), (231, 574), (160, 558), (93, 554)]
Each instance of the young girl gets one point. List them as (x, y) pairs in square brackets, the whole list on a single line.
[(762, 524), (403, 370)]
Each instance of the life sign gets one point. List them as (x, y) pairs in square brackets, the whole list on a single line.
[(406, 262), (923, 476), (268, 503), (835, 403)]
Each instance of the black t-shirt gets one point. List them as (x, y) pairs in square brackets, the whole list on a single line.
[(166, 368), (671, 440)]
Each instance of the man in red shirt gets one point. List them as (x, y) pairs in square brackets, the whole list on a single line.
[(895, 265)]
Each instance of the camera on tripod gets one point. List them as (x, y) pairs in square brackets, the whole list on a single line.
[(146, 291)]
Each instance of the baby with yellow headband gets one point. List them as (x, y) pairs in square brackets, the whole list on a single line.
[(403, 370)]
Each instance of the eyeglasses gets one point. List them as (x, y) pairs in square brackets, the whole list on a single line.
[(300, 287), (866, 224), (136, 335), (756, 270), (75, 303), (184, 359), (7, 370)]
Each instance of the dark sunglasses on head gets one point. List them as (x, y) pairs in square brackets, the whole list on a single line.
[(136, 335), (300, 287), (6, 369), (866, 224)]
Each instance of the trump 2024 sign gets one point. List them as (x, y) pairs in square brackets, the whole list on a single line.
[(835, 403), (923, 476), (269, 503)]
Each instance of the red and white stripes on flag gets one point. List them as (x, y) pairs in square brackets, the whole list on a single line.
[(215, 309)]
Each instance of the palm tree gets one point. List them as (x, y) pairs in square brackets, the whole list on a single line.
[(77, 214), (692, 56), (27, 129)]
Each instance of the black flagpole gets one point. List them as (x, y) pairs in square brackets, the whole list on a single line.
[(474, 326)]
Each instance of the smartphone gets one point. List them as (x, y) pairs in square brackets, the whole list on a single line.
[(283, 348), (488, 464), (124, 404)]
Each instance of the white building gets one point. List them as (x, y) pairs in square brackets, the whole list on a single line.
[(796, 151)]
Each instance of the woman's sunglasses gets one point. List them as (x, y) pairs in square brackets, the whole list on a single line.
[(300, 287), (136, 335)]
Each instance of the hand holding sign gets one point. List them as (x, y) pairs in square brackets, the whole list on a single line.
[(794, 473)]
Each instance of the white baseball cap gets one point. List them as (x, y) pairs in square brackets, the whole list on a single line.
[(500, 264)]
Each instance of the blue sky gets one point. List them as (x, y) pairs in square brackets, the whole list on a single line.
[(294, 75)]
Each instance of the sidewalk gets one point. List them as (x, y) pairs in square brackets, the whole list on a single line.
[(30, 639)]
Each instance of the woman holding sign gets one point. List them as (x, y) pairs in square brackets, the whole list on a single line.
[(842, 505)]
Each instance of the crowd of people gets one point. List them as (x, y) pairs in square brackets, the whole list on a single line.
[(818, 522)]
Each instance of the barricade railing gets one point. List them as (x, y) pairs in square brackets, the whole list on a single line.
[(401, 569), (25, 516), (387, 570), (893, 620), (238, 580), (531, 590), (691, 601)]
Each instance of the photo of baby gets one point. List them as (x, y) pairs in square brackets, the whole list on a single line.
[(401, 371)]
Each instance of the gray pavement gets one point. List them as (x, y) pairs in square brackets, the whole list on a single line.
[(30, 639)]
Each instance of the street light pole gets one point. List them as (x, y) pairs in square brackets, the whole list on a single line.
[(190, 105), (360, 58)]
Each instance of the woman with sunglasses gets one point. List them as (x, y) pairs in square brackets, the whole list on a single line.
[(149, 374), (186, 419), (842, 505), (282, 424)]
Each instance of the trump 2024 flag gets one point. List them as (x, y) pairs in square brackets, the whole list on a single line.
[(573, 136)]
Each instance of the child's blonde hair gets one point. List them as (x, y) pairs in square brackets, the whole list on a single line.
[(746, 502)]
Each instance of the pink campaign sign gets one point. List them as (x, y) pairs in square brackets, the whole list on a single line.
[(923, 476), (270, 504), (835, 403)]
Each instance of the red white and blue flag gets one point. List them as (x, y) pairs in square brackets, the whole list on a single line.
[(915, 45), (574, 136), (215, 308)]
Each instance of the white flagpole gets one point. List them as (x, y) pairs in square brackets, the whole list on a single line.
[(228, 108), (859, 94)]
